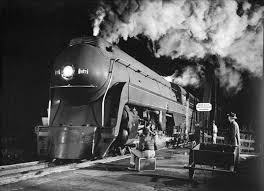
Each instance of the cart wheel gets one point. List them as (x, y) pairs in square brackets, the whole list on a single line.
[(191, 174)]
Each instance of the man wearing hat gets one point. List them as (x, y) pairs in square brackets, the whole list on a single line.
[(235, 134)]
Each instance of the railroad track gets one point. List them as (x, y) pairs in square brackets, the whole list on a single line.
[(14, 173)]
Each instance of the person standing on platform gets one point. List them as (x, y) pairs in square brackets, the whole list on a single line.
[(214, 132), (234, 130), (234, 134)]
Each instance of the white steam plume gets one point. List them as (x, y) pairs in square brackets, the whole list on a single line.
[(100, 14), (188, 77), (230, 78), (190, 28)]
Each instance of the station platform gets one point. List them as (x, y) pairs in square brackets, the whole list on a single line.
[(169, 175)]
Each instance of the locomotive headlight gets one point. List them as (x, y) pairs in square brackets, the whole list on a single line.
[(67, 72)]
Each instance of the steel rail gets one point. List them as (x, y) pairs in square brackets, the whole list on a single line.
[(15, 173)]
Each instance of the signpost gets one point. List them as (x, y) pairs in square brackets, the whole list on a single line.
[(203, 106)]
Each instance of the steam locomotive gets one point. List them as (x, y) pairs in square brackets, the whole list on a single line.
[(100, 96)]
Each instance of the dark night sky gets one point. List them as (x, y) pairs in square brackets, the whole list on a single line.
[(35, 32)]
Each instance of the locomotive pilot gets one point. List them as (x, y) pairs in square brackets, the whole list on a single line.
[(146, 147)]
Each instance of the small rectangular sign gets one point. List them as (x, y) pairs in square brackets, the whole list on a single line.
[(203, 106)]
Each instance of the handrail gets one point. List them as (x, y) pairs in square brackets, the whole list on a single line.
[(108, 86)]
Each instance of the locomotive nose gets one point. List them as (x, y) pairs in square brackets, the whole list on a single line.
[(80, 65), (72, 142)]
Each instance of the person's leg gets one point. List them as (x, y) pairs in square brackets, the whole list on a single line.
[(214, 139), (237, 158), (137, 153), (148, 154), (152, 154), (134, 153), (132, 159)]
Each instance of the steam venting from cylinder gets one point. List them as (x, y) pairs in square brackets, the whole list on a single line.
[(191, 29)]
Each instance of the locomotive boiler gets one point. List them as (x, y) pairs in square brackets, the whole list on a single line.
[(99, 96)]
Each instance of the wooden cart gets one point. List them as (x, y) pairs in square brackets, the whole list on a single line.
[(216, 157)]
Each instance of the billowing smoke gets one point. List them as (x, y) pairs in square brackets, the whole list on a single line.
[(100, 14), (229, 78), (191, 29), (190, 76)]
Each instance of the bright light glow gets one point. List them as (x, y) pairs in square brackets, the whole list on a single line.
[(67, 72)]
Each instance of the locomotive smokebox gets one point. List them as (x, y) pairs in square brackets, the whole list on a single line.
[(81, 66)]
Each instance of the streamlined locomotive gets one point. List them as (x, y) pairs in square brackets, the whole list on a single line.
[(99, 96)]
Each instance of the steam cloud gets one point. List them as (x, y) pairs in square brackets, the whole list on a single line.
[(191, 29), (229, 77), (188, 77)]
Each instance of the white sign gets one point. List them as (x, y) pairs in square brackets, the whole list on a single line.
[(203, 107)]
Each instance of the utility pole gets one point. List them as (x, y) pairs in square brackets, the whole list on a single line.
[(207, 96), (210, 96)]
